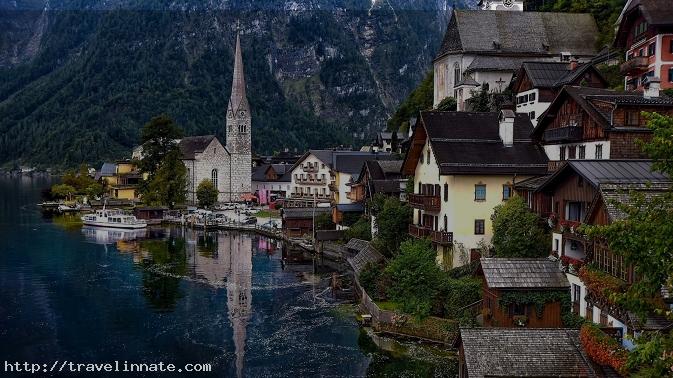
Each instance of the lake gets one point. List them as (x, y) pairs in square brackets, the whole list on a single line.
[(170, 295)]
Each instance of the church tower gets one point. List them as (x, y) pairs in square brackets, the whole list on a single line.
[(239, 130)]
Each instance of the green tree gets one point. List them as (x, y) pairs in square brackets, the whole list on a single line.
[(167, 187), (415, 276), (517, 232), (419, 99), (392, 224), (158, 141), (643, 239), (206, 194), (64, 191), (324, 222), (480, 100), (447, 104), (359, 230)]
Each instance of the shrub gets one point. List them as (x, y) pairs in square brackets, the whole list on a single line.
[(517, 232), (206, 193), (416, 277), (603, 349), (359, 230)]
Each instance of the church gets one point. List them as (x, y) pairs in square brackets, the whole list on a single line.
[(228, 166)]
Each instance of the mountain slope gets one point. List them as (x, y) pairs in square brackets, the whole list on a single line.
[(77, 84)]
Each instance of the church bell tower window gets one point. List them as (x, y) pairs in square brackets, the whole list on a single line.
[(213, 177)]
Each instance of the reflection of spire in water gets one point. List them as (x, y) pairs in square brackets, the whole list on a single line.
[(226, 262), (239, 296)]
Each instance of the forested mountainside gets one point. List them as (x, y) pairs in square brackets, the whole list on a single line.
[(78, 79)]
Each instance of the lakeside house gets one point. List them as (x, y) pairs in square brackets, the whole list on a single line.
[(536, 84), (464, 164), (271, 182), (122, 178), (474, 57), (645, 33), (505, 278), (298, 222)]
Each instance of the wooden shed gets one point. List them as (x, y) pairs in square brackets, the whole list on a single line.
[(523, 292)]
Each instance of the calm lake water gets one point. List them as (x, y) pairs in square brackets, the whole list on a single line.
[(169, 295)]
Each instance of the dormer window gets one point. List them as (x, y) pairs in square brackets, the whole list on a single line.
[(456, 74)]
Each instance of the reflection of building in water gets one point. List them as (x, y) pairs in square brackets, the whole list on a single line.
[(225, 259)]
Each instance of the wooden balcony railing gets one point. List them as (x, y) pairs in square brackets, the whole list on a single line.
[(439, 237), (425, 202), (634, 66), (307, 181), (563, 134)]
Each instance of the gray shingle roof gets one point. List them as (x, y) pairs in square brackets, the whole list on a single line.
[(190, 146), (304, 212), (524, 352), (613, 194), (365, 254), (495, 63), (521, 273), (520, 32)]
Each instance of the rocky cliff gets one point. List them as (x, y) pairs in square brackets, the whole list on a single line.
[(78, 79)]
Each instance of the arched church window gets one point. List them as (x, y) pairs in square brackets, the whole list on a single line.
[(213, 177), (456, 74)]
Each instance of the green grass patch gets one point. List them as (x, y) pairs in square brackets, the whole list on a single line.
[(388, 306), (268, 214)]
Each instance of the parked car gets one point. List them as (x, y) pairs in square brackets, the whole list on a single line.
[(250, 220)]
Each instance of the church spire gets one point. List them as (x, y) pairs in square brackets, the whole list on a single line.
[(238, 100)]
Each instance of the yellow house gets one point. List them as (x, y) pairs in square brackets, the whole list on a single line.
[(122, 179), (465, 164)]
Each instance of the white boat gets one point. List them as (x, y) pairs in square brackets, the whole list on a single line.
[(113, 218)]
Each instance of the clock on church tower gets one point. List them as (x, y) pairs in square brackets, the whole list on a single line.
[(510, 5)]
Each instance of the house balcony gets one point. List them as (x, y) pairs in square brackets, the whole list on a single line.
[(311, 181), (635, 66), (425, 202), (439, 237), (310, 169), (564, 134)]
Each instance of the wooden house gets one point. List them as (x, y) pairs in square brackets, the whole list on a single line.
[(506, 279), (298, 222), (536, 84), (585, 192), (522, 352), (592, 123)]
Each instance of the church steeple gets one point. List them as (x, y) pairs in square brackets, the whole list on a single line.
[(238, 100)]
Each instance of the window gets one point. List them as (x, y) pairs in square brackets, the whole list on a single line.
[(213, 177), (480, 192), (422, 157), (556, 245), (610, 263), (572, 150), (518, 309), (670, 47), (652, 49), (604, 318), (506, 192), (456, 74), (479, 226), (428, 157), (574, 211), (562, 153), (446, 192), (599, 151), (446, 223), (420, 188), (577, 293), (531, 115), (670, 74), (582, 152), (531, 97), (632, 118)]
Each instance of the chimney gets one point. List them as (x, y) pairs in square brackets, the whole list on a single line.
[(507, 127), (652, 87), (573, 64)]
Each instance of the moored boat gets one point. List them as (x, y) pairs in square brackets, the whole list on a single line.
[(113, 218)]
